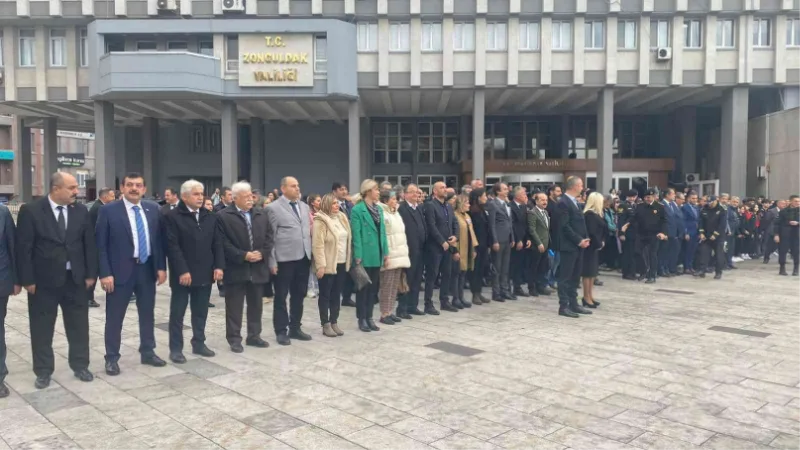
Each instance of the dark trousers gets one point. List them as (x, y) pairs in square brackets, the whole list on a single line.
[(789, 244), (569, 277), (478, 271), (674, 246), (437, 262), (90, 291), (520, 267), (410, 300), (609, 255), (3, 350), (629, 256), (690, 252), (196, 297), (330, 288), (731, 240), (235, 294), (142, 283), (768, 245), (648, 247), (368, 295), (455, 279), (347, 290), (502, 259), (540, 265), (268, 290), (291, 281), (704, 255)]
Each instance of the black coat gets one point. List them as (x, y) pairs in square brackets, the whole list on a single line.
[(416, 229), (650, 220), (236, 243), (165, 208), (570, 226), (94, 211), (480, 224), (192, 247), (519, 222), (440, 225), (597, 230)]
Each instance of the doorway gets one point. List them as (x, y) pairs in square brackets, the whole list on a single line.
[(531, 182)]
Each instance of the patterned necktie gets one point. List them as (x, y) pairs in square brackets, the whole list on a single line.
[(141, 236), (62, 223), (294, 208), (249, 228)]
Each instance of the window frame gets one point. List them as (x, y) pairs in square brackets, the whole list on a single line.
[(688, 30), (2, 53), (320, 64), (793, 32), (29, 44), (589, 38), (667, 29), (382, 131), (435, 44), (210, 46), (758, 24), (492, 37), (146, 42), (431, 150), (184, 43), (721, 37), (371, 30), (525, 36), (83, 47), (560, 25), (403, 43), (470, 47), (56, 45), (622, 32)]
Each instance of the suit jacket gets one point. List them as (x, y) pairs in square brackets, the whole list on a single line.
[(691, 219), (416, 229), (346, 207), (769, 219), (166, 207), (571, 225), (114, 236), (193, 247), (519, 222), (292, 233), (673, 224), (500, 228), (42, 255), (232, 229), (220, 206), (538, 228), (440, 225), (94, 212), (8, 257)]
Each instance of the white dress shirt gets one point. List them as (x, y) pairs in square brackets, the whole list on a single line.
[(132, 219), (54, 207)]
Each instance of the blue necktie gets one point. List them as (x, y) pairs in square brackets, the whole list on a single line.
[(294, 207), (141, 236)]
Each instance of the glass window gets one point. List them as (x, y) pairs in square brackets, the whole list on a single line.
[(594, 36), (464, 36), (391, 142), (562, 35), (626, 34), (394, 180), (81, 178), (58, 47), (232, 53), (426, 182), (206, 48), (84, 48), (321, 54), (496, 36), (431, 37), (725, 36), (494, 140), (793, 32), (367, 36), (27, 48), (762, 32), (659, 34), (437, 142), (529, 36), (692, 33), (146, 46), (399, 37), (177, 46), (528, 140), (197, 139), (114, 44)]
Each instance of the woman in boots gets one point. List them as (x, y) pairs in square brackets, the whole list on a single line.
[(480, 226), (466, 255), (331, 253), (370, 250)]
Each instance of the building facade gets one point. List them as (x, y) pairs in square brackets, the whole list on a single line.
[(626, 93)]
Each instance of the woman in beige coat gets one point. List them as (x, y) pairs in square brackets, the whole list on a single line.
[(331, 249), (397, 259)]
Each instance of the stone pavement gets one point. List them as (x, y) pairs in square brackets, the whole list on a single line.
[(645, 371)]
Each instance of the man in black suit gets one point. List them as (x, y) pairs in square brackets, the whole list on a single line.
[(521, 253), (571, 239), (171, 200), (57, 263), (339, 189), (106, 195), (501, 235), (8, 285), (416, 234), (442, 229), (225, 200)]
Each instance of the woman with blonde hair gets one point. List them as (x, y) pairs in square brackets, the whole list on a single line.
[(330, 249), (597, 229), (465, 253), (398, 258)]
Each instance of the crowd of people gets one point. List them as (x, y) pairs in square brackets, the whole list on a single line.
[(387, 245)]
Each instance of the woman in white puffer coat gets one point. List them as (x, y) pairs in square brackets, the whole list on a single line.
[(398, 259)]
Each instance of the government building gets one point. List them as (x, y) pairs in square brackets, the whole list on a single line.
[(626, 93)]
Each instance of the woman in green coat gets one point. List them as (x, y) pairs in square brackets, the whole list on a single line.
[(370, 250)]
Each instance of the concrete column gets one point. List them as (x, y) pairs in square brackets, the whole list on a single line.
[(23, 177), (149, 146), (687, 132), (605, 140), (105, 155), (50, 148), (257, 153), (478, 119), (230, 143), (354, 146), (733, 142)]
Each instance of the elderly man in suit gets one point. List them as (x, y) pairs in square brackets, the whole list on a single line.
[(132, 260), (501, 236), (442, 229), (290, 261), (8, 285), (416, 234), (572, 239), (106, 195), (539, 231), (57, 262)]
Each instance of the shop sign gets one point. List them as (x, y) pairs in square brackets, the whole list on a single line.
[(71, 160), (533, 163)]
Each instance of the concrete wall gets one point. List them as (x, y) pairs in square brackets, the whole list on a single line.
[(774, 141)]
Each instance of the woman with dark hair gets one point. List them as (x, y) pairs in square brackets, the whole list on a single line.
[(314, 201), (480, 225)]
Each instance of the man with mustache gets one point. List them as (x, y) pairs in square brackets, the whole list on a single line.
[(57, 263)]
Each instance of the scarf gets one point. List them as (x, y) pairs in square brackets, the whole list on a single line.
[(376, 215)]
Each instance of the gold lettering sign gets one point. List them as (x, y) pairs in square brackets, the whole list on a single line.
[(534, 163), (284, 60)]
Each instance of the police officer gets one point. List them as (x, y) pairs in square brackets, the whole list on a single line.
[(787, 234), (650, 224), (627, 234), (712, 238)]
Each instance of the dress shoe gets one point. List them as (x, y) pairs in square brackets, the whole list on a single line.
[(640, 278), (567, 313), (519, 292), (237, 348), (598, 282), (406, 316), (336, 329), (431, 310), (579, 310), (700, 274), (112, 368), (256, 342), (363, 326), (533, 293), (177, 357), (84, 375), (446, 306), (395, 318), (417, 312), (211, 305), (42, 382), (766, 260), (484, 300), (732, 267), (650, 281), (544, 291), (283, 339), (629, 277), (350, 303), (93, 304), (476, 299), (297, 333), (509, 296), (718, 276), (498, 298), (589, 305), (203, 351), (153, 360), (372, 326), (456, 303), (465, 303), (386, 320), (4, 392)]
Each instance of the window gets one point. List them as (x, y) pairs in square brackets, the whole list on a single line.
[(626, 34), (206, 48), (232, 53), (659, 34), (27, 48), (146, 46), (177, 46), (58, 48), (793, 32), (632, 138), (528, 140), (321, 54), (391, 142), (399, 37), (426, 182), (431, 37), (81, 178), (395, 180), (367, 37), (496, 36), (464, 36), (83, 48), (562, 35), (1, 54), (529, 36), (583, 139), (494, 140), (725, 36), (762, 32), (114, 44), (692, 33), (437, 142), (594, 36), (214, 138), (197, 139)]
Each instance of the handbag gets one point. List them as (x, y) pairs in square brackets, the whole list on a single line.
[(360, 276)]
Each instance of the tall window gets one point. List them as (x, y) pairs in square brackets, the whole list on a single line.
[(27, 48), (528, 140), (320, 54), (177, 46), (81, 178), (793, 32), (431, 37), (148, 46), (692, 33), (463, 36), (725, 33), (659, 34), (632, 138), (391, 142), (583, 139), (232, 53), (494, 140), (367, 36), (58, 47), (626, 34), (84, 48), (594, 35), (762, 32), (206, 48), (437, 142), (399, 37), (529, 36), (496, 36), (562, 35)]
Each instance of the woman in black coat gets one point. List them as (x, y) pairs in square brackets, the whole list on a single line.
[(597, 230), (480, 224)]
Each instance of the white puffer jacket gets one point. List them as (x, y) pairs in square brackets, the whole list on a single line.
[(396, 236)]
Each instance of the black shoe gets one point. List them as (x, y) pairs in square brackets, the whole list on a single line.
[(498, 298), (544, 291), (640, 278), (395, 318), (372, 326), (297, 333), (567, 313), (732, 267), (598, 282), (456, 303), (629, 277), (93, 304), (465, 303), (700, 274), (4, 392), (783, 273), (650, 281), (211, 305), (519, 292), (177, 357), (431, 310), (112, 368), (363, 326), (387, 320), (84, 375), (415, 312), (42, 382), (533, 293), (203, 351), (446, 306), (257, 342), (153, 360), (283, 339), (766, 260), (718, 276), (350, 303), (577, 309), (794, 273), (510, 296), (406, 316), (589, 305), (237, 348)]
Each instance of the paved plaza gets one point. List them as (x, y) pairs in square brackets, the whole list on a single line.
[(681, 364)]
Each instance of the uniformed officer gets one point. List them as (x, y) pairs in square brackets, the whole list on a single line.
[(627, 235), (650, 224), (712, 238), (787, 234)]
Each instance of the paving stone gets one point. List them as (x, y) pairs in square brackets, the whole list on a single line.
[(51, 400), (786, 441), (309, 437), (720, 425), (378, 438), (581, 440), (627, 402), (653, 441), (55, 442), (721, 442), (518, 440), (420, 429), (664, 427), (461, 441), (335, 421), (202, 368), (273, 422), (787, 412), (762, 420)]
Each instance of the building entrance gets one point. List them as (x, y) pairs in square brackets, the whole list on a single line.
[(531, 182)]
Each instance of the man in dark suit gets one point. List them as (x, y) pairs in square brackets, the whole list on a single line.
[(787, 235), (539, 231), (501, 235), (339, 189), (521, 252), (669, 248), (572, 238), (171, 200), (132, 260), (691, 224), (9, 285), (768, 224), (225, 200), (106, 195), (416, 234), (57, 262), (442, 228), (196, 260)]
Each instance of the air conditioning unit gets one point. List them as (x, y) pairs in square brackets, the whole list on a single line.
[(663, 54), (692, 178), (232, 5), (167, 5), (761, 172)]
